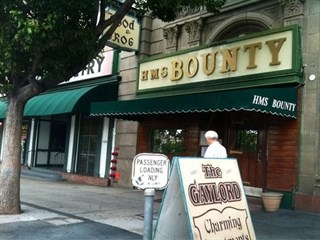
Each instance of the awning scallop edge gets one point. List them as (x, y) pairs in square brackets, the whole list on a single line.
[(275, 101)]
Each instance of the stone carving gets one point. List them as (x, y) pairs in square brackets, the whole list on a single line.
[(171, 35), (292, 7), (273, 12), (194, 29), (187, 11)]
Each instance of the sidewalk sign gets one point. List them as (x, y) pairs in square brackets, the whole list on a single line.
[(150, 170), (204, 200)]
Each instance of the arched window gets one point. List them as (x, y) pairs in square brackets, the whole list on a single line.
[(240, 28)]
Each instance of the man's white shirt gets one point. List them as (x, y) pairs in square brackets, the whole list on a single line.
[(215, 150)]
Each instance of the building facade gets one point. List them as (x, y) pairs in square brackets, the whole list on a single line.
[(58, 133), (195, 73)]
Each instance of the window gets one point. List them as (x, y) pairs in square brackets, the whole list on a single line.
[(240, 28), (246, 140), (58, 137), (88, 145), (168, 141)]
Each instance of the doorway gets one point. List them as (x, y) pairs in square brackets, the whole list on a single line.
[(248, 145), (90, 131), (51, 143)]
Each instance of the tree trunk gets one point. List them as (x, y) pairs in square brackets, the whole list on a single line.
[(11, 166)]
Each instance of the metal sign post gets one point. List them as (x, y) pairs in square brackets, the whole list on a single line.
[(148, 213), (150, 171)]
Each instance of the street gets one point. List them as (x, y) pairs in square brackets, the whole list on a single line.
[(63, 210)]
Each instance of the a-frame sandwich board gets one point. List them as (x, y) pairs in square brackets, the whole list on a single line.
[(204, 199)]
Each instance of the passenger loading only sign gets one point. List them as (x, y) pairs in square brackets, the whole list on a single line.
[(150, 170)]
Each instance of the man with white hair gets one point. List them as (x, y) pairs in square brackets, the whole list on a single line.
[(215, 149)]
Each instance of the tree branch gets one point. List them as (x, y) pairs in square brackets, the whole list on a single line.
[(31, 77), (97, 5), (101, 15)]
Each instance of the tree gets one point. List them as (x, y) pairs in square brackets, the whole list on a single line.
[(46, 42)]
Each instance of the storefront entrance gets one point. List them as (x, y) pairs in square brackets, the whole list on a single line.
[(51, 143), (265, 146), (88, 145), (248, 145), (245, 138)]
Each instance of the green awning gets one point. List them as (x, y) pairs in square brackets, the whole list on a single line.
[(3, 109), (68, 98), (55, 102), (75, 100), (276, 101)]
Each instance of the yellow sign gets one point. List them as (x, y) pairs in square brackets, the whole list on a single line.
[(205, 200), (262, 54), (127, 35)]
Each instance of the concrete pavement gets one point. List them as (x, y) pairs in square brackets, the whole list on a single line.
[(63, 210)]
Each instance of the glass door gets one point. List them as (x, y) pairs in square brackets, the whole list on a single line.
[(248, 145), (88, 145)]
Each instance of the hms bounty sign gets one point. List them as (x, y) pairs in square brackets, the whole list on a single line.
[(150, 170)]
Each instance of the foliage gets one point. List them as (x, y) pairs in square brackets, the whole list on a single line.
[(247, 140), (40, 39), (168, 141), (45, 42)]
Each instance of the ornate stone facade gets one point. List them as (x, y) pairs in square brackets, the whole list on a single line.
[(292, 7), (171, 35), (185, 12), (194, 29)]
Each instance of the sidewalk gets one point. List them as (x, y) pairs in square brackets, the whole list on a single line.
[(63, 210)]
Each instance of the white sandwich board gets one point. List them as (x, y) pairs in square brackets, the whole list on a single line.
[(204, 200)]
